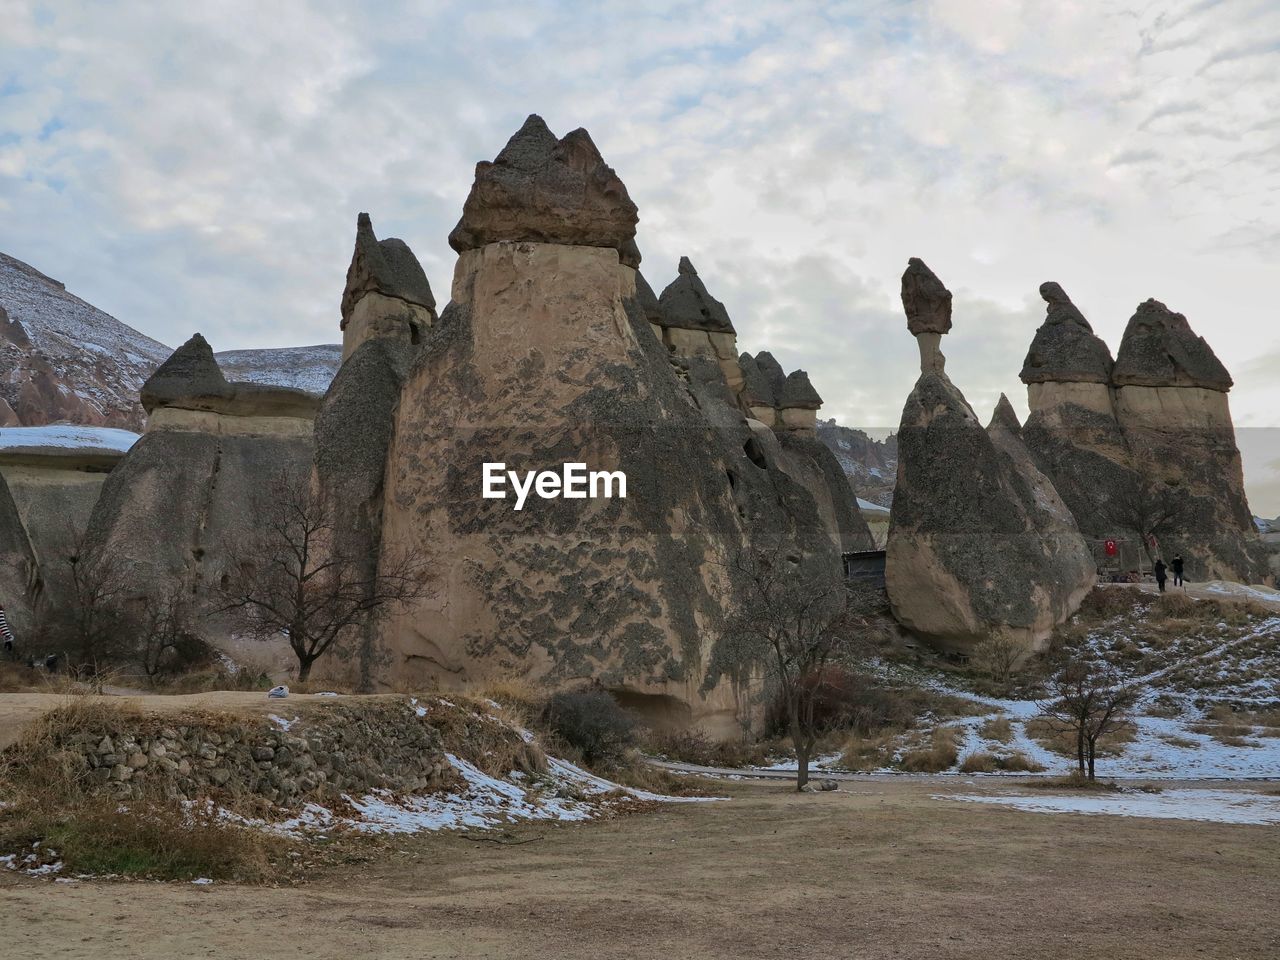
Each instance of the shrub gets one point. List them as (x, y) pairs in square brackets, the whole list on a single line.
[(592, 722), (978, 762), (997, 728), (845, 700), (941, 753), (694, 746)]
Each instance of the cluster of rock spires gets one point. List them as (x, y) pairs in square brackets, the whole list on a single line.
[(553, 348), (1156, 418)]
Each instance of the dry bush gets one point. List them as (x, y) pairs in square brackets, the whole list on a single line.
[(153, 841), (1075, 780), (940, 754), (633, 770), (1107, 603), (865, 753), (694, 746), (999, 656), (978, 762), (519, 696), (591, 722), (1018, 762), (1063, 742), (997, 728), (19, 678), (1174, 605)]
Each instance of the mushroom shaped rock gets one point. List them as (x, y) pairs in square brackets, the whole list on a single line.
[(1159, 349), (545, 190), (799, 393), (687, 305), (928, 307), (1065, 348), (190, 377), (387, 293)]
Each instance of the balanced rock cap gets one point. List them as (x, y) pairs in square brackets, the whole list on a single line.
[(687, 304), (926, 301), (548, 191), (798, 393), (1065, 348), (1005, 417), (757, 388), (1159, 349), (190, 373), (772, 372), (387, 267)]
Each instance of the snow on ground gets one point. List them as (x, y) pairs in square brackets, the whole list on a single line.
[(871, 507), (65, 436), (567, 794), (1218, 806), (1240, 591), (304, 368)]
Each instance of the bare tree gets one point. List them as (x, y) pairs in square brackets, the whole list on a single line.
[(1090, 700), (998, 656), (1146, 507), (164, 630), (91, 627), (794, 624), (293, 578)]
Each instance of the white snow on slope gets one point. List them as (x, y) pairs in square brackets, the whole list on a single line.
[(871, 507), (304, 368), (66, 436), (567, 794), (1218, 806)]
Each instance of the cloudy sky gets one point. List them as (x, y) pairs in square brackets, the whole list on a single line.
[(200, 166)]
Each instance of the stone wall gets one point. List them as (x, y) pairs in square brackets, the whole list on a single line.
[(344, 749)]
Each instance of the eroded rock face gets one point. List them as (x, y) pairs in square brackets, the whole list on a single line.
[(1160, 349), (1171, 405), (20, 584), (1065, 348), (55, 483), (979, 543), (546, 190), (353, 429), (387, 294), (174, 508)]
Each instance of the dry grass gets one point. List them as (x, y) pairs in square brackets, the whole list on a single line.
[(940, 754), (1062, 741), (1075, 780), (863, 754), (997, 728), (983, 762), (694, 746)]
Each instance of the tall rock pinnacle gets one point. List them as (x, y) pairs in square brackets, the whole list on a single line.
[(190, 373), (686, 304), (1159, 349), (1065, 348), (387, 267)]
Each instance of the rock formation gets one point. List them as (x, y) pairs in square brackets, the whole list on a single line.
[(548, 354), (354, 426), (20, 584), (694, 323), (55, 475), (977, 546), (1171, 404), (173, 509), (1154, 424), (1072, 428)]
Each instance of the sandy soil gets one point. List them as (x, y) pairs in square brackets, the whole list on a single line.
[(876, 870)]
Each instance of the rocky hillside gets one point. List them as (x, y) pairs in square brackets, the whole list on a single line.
[(870, 465), (303, 368), (62, 359)]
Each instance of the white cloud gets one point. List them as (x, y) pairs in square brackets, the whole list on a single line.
[(200, 167)]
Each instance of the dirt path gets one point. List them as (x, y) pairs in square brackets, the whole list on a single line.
[(876, 870)]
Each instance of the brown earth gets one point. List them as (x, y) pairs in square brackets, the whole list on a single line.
[(880, 869)]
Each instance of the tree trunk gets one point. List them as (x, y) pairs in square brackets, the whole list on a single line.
[(304, 668), (1091, 755), (802, 763), (1080, 752)]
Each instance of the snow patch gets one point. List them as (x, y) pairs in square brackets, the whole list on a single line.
[(1218, 806)]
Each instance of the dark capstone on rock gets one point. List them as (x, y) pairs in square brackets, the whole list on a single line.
[(190, 374), (686, 304), (548, 191), (383, 266), (798, 392), (924, 298), (1065, 348), (1160, 349)]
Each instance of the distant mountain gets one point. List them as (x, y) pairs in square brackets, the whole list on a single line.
[(62, 359), (870, 465), (304, 368)]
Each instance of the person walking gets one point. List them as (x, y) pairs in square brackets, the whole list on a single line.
[(6, 634), (1176, 566), (1161, 574)]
